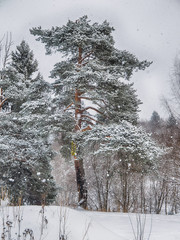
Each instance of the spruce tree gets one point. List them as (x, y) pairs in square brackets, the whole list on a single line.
[(171, 122), (89, 80), (25, 170), (155, 119), (25, 149), (23, 60)]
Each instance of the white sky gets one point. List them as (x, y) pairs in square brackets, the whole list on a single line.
[(150, 29)]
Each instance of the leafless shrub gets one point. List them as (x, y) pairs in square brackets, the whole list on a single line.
[(63, 218), (139, 228)]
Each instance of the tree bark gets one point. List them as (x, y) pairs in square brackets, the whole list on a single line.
[(79, 168), (1, 98), (81, 183)]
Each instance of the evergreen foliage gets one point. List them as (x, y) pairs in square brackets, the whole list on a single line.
[(24, 162), (129, 142), (96, 68), (23, 60), (92, 85), (25, 149), (155, 119), (171, 122)]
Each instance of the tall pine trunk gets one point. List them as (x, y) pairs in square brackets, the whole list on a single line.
[(79, 168), (1, 99)]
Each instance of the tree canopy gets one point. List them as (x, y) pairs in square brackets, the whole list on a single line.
[(92, 84)]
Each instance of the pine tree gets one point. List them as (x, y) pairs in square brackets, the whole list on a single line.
[(23, 60), (116, 153), (89, 79)]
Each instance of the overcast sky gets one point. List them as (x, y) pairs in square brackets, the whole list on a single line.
[(150, 29)]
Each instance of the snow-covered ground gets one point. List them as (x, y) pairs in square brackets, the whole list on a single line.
[(97, 225)]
